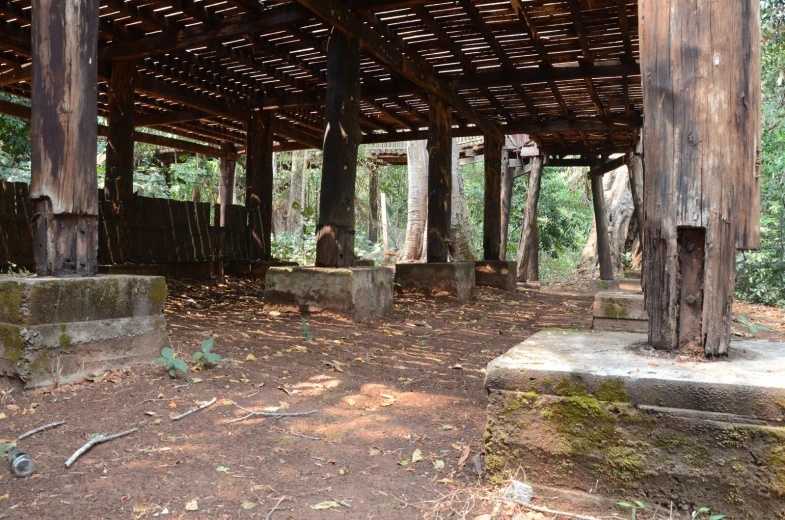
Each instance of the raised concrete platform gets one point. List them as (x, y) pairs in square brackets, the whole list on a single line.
[(60, 330), (358, 293), (620, 311), (431, 279), (619, 284), (256, 270), (602, 411), (530, 286), (498, 274)]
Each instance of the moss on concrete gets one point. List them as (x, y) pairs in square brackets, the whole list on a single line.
[(11, 299), (158, 293), (13, 345), (612, 392), (615, 309), (516, 402), (622, 464)]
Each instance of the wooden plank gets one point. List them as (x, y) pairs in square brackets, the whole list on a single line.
[(439, 181), (492, 226), (335, 230), (530, 244)]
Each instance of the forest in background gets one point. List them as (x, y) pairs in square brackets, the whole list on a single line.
[(565, 215)]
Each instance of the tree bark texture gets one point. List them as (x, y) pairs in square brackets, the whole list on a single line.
[(506, 204), (530, 233), (227, 167), (701, 78), (492, 226), (461, 247), (439, 181), (601, 223), (64, 185), (417, 209), (373, 202), (335, 230), (259, 183)]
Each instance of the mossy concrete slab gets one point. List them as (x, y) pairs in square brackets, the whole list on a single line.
[(601, 411), (620, 311), (358, 293), (618, 284), (495, 273), (57, 331), (455, 278)]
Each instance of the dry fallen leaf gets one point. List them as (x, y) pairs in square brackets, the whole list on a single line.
[(467, 450), (416, 456), (192, 505), (329, 504)]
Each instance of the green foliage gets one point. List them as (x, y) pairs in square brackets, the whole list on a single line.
[(634, 508), (705, 512), (751, 326), (205, 355), (307, 332), (171, 362), (15, 145)]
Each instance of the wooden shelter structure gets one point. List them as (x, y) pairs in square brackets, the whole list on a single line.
[(255, 76)]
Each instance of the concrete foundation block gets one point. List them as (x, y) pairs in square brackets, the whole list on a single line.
[(620, 311), (358, 293), (530, 286), (60, 330), (498, 274), (600, 410), (633, 273), (430, 279), (619, 284)]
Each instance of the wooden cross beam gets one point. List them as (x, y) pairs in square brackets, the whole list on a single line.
[(608, 166), (414, 70)]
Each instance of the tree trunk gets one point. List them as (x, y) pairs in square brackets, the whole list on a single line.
[(530, 243), (507, 188), (461, 247), (225, 199), (373, 202), (417, 212), (601, 223), (295, 195)]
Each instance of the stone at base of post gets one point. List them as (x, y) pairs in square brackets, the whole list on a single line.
[(60, 330), (359, 294), (495, 273), (455, 278), (620, 311), (618, 284)]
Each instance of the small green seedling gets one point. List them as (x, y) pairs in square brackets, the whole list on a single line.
[(206, 356), (637, 506), (307, 332), (751, 326), (706, 512), (170, 362), (5, 448)]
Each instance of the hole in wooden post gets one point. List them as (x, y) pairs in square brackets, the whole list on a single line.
[(692, 258)]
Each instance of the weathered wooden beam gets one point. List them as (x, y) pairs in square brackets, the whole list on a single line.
[(601, 224), (64, 183), (608, 166), (439, 181), (237, 110), (166, 118), (259, 184), (492, 226), (529, 246), (335, 230), (415, 70), (197, 36), (16, 75), (702, 180)]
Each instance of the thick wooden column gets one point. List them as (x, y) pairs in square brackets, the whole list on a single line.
[(492, 226), (64, 184), (506, 204), (119, 179), (259, 183), (342, 136), (439, 181), (227, 166), (702, 187), (601, 223), (530, 243)]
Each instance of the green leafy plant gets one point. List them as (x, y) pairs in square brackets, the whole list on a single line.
[(634, 507), (5, 448), (751, 326), (205, 355), (307, 332), (706, 512), (170, 362)]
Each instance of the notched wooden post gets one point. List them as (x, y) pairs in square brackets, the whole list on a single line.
[(64, 184), (335, 230), (439, 181), (492, 226)]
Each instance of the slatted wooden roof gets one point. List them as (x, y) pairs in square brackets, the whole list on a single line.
[(564, 71)]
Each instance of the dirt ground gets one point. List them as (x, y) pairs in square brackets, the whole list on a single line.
[(398, 413)]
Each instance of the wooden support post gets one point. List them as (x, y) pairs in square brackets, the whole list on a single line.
[(492, 226), (342, 136), (508, 177), (702, 134), (601, 223), (636, 186), (439, 181), (225, 199), (64, 184), (373, 202), (530, 243), (119, 179), (259, 184)]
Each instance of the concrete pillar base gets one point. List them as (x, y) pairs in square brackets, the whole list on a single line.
[(357, 293), (530, 286), (619, 284), (602, 411), (620, 311), (60, 330), (431, 279), (495, 273)]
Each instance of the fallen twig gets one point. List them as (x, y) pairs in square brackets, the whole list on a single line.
[(40, 429), (545, 510), (341, 502), (305, 436), (275, 507), (252, 413), (202, 407), (97, 440)]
